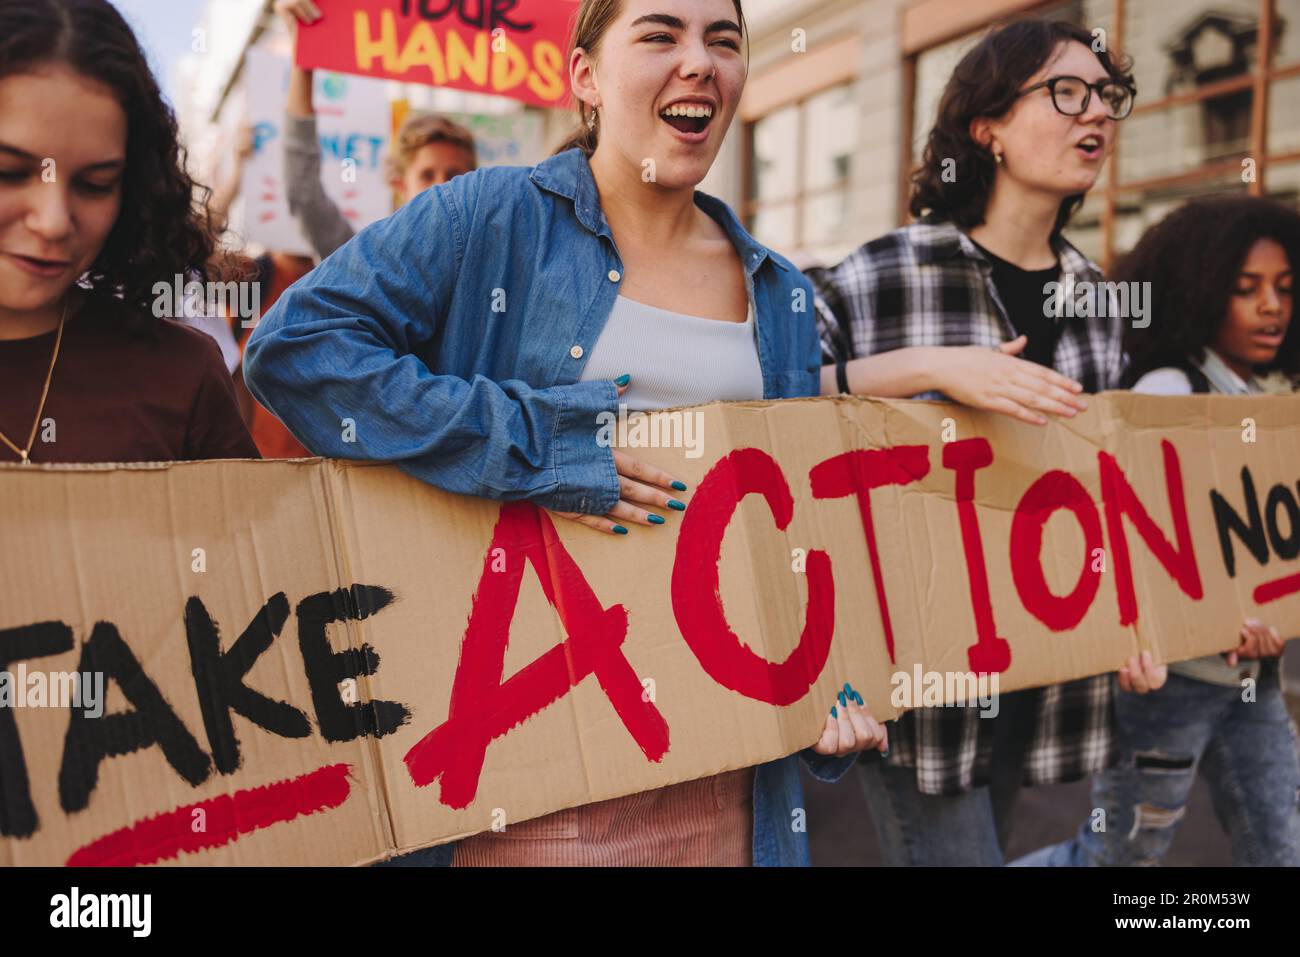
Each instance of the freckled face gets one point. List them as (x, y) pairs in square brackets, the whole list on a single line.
[(1046, 150), (667, 80), (62, 155)]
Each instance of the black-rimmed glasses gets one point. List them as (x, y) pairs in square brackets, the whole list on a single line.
[(1071, 95)]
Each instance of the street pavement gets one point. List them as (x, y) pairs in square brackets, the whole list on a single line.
[(841, 833)]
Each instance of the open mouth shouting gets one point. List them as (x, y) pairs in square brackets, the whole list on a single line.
[(1270, 337), (1092, 146), (689, 119)]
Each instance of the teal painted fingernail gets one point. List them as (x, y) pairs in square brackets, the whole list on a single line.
[(680, 486), (680, 506), (884, 753), (655, 519), (848, 689), (834, 713), (857, 699), (620, 530), (843, 703), (624, 379)]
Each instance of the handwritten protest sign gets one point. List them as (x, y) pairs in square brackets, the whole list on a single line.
[(327, 662), (514, 48), (352, 118)]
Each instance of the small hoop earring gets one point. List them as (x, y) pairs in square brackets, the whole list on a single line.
[(591, 120)]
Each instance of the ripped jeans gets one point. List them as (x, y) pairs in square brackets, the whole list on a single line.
[(1245, 749)]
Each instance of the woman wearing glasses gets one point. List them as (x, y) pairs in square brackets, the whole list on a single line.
[(1023, 129)]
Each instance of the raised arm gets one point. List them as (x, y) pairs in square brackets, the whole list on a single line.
[(319, 218)]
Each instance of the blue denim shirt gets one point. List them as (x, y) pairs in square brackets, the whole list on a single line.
[(453, 334)]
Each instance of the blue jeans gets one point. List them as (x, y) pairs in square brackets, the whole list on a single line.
[(1246, 750), (928, 830), (438, 856), (952, 830)]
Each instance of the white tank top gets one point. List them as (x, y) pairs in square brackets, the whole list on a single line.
[(675, 359)]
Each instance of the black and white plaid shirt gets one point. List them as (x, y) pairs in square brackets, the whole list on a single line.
[(928, 285)]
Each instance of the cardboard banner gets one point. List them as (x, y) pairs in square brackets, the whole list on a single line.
[(326, 662), (352, 123), (514, 48)]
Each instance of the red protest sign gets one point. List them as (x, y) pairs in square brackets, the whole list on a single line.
[(514, 48)]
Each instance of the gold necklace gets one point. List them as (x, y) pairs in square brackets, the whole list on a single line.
[(31, 439)]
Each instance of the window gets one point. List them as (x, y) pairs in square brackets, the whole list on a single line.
[(1284, 116), (933, 67), (1201, 67), (1181, 139), (1195, 132), (1286, 32), (800, 158), (1190, 45)]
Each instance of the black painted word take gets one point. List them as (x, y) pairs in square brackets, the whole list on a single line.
[(151, 721)]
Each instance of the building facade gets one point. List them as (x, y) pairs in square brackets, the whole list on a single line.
[(842, 94)]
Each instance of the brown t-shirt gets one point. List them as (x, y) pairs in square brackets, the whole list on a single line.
[(116, 397)]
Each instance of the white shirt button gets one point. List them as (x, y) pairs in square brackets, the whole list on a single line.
[(614, 275), (576, 352)]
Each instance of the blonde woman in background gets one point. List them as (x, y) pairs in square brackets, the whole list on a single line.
[(428, 151)]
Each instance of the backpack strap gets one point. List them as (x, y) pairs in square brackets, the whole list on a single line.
[(1200, 382)]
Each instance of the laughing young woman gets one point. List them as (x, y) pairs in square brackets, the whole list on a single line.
[(610, 280)]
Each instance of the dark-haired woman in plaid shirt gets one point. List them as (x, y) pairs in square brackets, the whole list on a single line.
[(1024, 126)]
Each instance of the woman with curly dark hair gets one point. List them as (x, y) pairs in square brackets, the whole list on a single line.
[(1204, 290), (1024, 126), (96, 210), (1221, 274)]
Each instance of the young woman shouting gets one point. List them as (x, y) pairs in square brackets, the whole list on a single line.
[(616, 285), (1222, 274), (1024, 126)]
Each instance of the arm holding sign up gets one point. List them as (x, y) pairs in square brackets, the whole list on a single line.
[(320, 219)]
